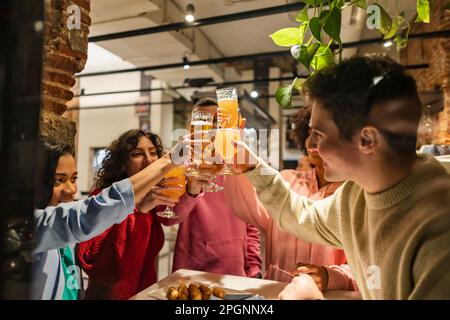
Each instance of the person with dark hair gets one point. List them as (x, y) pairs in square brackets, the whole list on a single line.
[(285, 253), (299, 134), (121, 261), (210, 238), (57, 184), (69, 222), (392, 216)]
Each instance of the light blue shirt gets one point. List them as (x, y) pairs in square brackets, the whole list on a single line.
[(68, 224)]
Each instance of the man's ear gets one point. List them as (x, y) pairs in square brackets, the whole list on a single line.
[(369, 140)]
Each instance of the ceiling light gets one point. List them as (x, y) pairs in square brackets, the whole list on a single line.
[(254, 94), (190, 10), (186, 64), (387, 44)]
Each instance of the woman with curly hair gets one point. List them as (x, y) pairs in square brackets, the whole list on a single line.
[(122, 261)]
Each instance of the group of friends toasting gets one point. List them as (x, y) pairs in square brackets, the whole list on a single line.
[(365, 214)]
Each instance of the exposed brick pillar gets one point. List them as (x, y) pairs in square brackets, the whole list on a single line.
[(65, 53), (436, 52)]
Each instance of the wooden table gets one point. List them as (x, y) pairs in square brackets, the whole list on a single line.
[(266, 288)]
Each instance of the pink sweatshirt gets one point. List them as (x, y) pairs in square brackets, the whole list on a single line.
[(282, 249), (210, 238)]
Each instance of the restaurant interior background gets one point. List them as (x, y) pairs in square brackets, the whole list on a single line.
[(136, 64)]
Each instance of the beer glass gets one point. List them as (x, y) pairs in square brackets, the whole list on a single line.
[(228, 125), (179, 173), (201, 124)]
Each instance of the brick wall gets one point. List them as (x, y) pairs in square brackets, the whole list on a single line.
[(436, 52), (65, 53)]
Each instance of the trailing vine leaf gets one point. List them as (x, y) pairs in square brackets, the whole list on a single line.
[(286, 37), (401, 41), (323, 15), (337, 3), (303, 27), (307, 54), (314, 26), (423, 11), (314, 2), (361, 4), (298, 83), (332, 24), (322, 58), (396, 22), (303, 15), (284, 96), (385, 21), (295, 52)]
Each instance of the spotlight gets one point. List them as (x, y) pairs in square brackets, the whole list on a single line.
[(190, 10), (254, 94), (387, 44), (186, 65)]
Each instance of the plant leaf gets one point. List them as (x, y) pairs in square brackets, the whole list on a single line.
[(313, 2), (385, 21), (295, 52), (323, 15), (298, 83), (286, 37), (361, 4), (302, 15), (314, 26), (307, 53), (283, 96), (394, 27), (401, 41), (338, 3), (332, 25), (423, 11), (303, 27), (322, 58)]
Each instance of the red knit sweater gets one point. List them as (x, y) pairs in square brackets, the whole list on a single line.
[(122, 260)]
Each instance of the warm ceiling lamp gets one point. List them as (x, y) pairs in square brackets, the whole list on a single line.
[(186, 64), (190, 10)]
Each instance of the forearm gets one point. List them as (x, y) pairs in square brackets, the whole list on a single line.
[(243, 200), (68, 223), (293, 213), (186, 206), (340, 277), (253, 252), (143, 181)]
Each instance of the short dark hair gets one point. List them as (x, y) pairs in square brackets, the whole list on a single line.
[(118, 154), (205, 102), (351, 88), (300, 130), (49, 153)]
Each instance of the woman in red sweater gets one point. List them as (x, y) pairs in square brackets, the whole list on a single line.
[(122, 261)]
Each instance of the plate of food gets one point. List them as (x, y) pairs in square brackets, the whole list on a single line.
[(199, 291)]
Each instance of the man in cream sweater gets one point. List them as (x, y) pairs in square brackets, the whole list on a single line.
[(392, 216)]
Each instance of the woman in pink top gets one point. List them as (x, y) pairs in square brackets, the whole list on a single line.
[(326, 265)]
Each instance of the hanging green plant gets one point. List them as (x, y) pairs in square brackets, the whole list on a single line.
[(325, 28)]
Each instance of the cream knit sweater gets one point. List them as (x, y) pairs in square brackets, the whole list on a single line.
[(397, 242)]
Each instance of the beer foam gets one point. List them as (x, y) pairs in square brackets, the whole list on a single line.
[(201, 123)]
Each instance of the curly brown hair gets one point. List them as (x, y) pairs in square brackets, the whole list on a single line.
[(118, 154), (300, 130)]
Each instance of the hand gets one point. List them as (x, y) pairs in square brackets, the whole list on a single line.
[(318, 273), (244, 159), (181, 153), (156, 195), (195, 185), (301, 287)]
